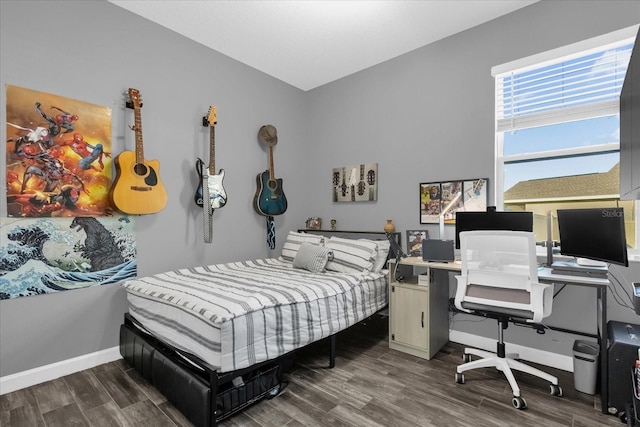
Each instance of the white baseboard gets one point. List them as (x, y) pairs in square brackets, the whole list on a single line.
[(50, 372), (534, 355)]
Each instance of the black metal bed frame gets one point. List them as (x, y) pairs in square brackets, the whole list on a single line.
[(192, 385)]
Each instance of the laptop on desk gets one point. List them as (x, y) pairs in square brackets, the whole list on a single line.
[(434, 250)]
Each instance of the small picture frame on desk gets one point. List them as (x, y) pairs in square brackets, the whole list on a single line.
[(414, 241)]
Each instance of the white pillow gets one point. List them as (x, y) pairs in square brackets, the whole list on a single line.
[(382, 254), (295, 239), (351, 256), (312, 257)]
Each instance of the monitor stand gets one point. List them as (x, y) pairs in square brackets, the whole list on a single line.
[(573, 268)]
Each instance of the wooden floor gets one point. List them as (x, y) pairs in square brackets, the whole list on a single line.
[(371, 385)]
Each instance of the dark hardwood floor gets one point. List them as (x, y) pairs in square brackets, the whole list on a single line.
[(371, 385)]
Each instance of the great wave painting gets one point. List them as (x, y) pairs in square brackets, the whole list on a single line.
[(46, 255)]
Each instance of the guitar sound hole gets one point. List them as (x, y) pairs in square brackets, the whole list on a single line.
[(140, 169), (272, 184)]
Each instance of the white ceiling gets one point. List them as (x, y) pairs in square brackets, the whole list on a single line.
[(310, 43)]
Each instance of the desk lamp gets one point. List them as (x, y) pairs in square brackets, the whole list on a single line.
[(444, 212)]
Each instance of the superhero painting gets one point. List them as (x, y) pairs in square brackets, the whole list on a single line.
[(58, 155)]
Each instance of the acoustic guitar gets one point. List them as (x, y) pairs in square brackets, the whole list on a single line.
[(208, 176), (371, 180), (269, 199), (137, 188)]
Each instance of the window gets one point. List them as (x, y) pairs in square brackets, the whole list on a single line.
[(558, 130)]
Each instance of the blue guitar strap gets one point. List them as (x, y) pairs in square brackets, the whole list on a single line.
[(271, 232)]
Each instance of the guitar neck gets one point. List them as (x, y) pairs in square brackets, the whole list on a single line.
[(212, 149), (138, 130), (271, 170)]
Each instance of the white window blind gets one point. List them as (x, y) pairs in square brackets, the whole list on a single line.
[(570, 88)]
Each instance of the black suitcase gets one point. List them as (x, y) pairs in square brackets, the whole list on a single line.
[(624, 341)]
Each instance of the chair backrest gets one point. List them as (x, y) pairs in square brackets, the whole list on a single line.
[(500, 275)]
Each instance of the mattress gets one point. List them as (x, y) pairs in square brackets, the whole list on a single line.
[(235, 315)]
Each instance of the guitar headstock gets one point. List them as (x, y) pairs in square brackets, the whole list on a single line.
[(212, 116), (135, 100)]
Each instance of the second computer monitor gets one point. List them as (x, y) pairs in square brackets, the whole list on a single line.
[(594, 233), (492, 220)]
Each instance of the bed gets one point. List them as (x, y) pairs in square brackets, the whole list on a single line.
[(214, 339)]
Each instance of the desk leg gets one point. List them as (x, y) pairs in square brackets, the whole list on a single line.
[(604, 352)]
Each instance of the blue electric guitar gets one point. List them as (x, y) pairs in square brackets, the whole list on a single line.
[(269, 199)]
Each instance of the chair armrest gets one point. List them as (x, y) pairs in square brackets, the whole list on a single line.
[(541, 301), (460, 289)]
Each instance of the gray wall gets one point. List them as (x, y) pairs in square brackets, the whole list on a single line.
[(94, 51), (427, 115)]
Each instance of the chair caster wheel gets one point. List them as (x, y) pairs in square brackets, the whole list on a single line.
[(555, 390), (466, 358), (518, 402), (459, 378)]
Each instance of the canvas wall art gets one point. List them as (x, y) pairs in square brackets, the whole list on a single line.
[(45, 255), (58, 155), (356, 183)]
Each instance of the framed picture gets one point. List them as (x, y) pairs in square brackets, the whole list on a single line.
[(314, 223), (414, 241), (445, 198)]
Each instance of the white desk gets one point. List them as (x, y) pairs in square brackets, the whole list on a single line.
[(546, 276)]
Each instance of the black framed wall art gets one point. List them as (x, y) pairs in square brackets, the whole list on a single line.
[(445, 198)]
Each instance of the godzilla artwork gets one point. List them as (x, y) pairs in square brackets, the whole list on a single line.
[(100, 246), (39, 256)]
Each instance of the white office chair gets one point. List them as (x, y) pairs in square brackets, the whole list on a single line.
[(499, 279)]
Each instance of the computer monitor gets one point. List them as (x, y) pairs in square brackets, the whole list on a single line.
[(594, 233), (492, 220)]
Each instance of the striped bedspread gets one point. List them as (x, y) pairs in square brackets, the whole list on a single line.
[(237, 314)]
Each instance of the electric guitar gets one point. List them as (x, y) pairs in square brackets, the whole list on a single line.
[(217, 194), (137, 188), (269, 199), (352, 184)]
